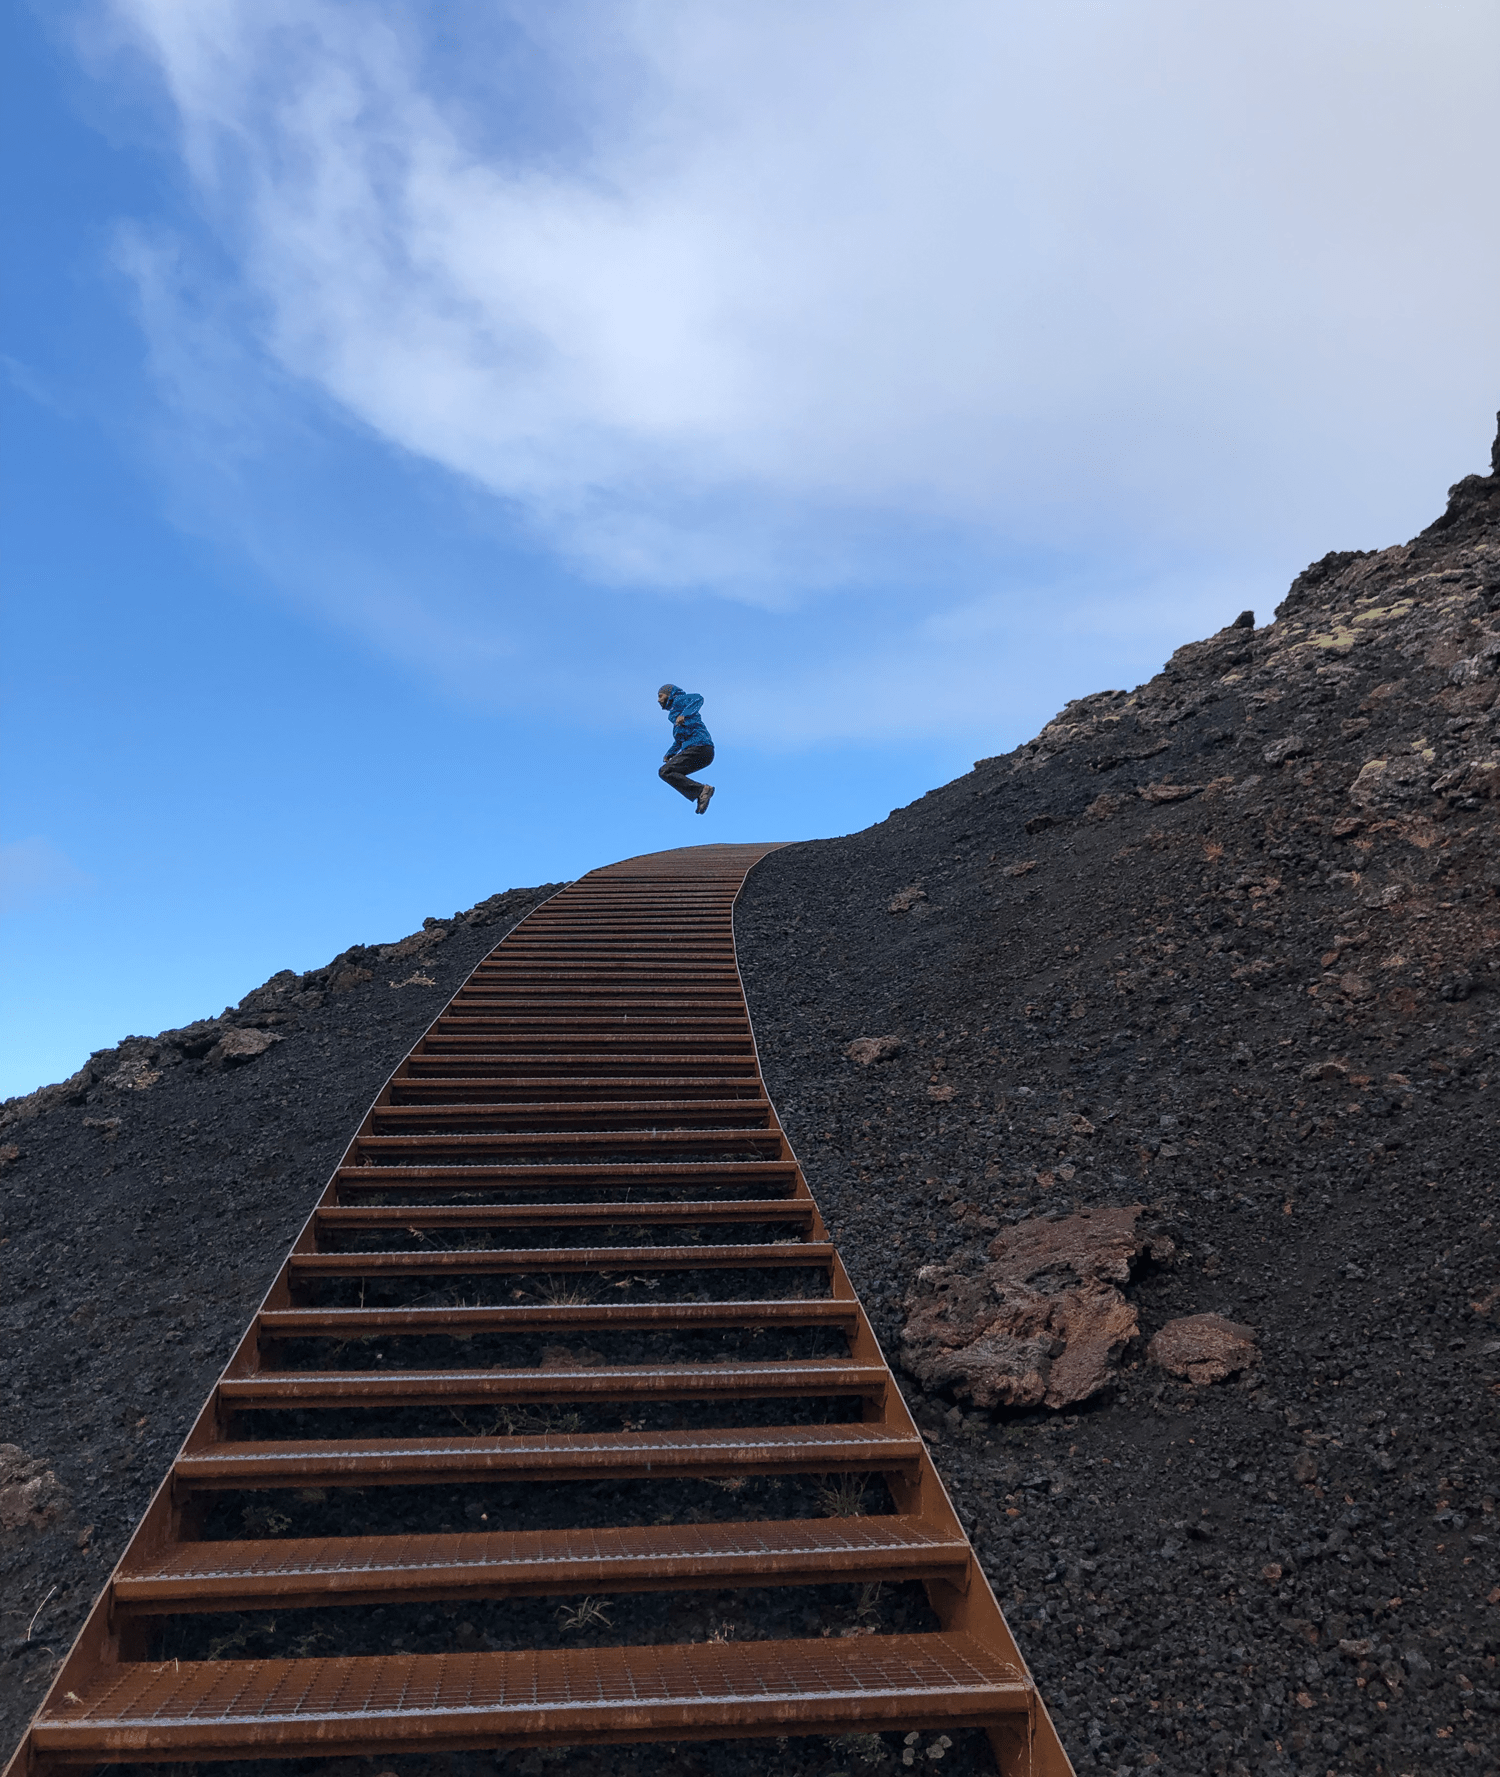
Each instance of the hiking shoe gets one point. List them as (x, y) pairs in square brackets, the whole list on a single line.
[(704, 797)]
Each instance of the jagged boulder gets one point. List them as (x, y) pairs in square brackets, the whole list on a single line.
[(1044, 1322)]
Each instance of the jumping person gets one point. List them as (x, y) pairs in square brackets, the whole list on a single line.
[(692, 745)]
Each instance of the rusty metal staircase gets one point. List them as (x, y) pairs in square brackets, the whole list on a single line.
[(595, 1077)]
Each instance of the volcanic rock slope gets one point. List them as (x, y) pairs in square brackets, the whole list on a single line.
[(1223, 947)]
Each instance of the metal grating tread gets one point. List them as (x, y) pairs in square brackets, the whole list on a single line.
[(328, 1706), (346, 1323), (474, 1261), (549, 1215), (554, 1383), (793, 1449), (226, 1575)]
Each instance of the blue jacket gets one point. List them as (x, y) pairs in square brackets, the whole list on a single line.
[(692, 733)]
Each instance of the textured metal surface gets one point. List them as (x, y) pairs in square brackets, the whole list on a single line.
[(351, 1462), (557, 1383), (596, 1071), (292, 1571), (235, 1708), (352, 1323), (608, 1261), (557, 1215)]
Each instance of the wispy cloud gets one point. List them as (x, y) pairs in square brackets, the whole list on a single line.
[(1151, 274)]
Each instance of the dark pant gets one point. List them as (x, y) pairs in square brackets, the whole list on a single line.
[(675, 770)]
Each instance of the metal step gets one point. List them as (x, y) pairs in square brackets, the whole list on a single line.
[(525, 1089), (308, 1572), (553, 1119), (385, 1150), (327, 1708), (609, 1260), (354, 1217), (554, 1456), (751, 1176), (595, 1317), (554, 1384)]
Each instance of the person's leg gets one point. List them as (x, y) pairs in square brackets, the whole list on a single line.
[(675, 770)]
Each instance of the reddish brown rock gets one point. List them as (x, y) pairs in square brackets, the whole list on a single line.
[(30, 1495), (1204, 1348), (864, 1050), (238, 1046), (1042, 1323)]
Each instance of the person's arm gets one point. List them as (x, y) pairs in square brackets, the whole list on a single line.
[(691, 704), (674, 718)]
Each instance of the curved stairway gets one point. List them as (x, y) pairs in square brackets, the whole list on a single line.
[(585, 1119)]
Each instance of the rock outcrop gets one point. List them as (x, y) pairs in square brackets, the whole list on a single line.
[(1043, 1322)]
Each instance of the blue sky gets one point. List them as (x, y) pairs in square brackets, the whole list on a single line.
[(396, 394)]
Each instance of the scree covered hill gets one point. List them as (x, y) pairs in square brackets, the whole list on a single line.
[(1223, 947)]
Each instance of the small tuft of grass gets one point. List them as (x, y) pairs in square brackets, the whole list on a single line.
[(842, 1496), (583, 1615), (867, 1602), (563, 1292)]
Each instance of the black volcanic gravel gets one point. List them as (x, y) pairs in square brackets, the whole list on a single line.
[(1269, 1010), (1224, 946)]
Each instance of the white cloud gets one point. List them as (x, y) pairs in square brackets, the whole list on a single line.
[(750, 282), (34, 871)]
